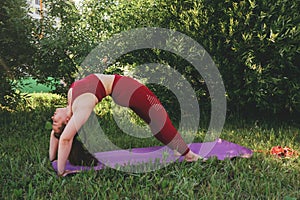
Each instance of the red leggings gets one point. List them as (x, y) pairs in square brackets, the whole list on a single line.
[(130, 93)]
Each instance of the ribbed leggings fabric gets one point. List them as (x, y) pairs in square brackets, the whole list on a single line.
[(128, 92)]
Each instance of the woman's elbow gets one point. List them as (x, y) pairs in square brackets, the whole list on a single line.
[(65, 141)]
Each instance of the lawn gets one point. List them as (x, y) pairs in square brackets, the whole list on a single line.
[(26, 172), (30, 85)]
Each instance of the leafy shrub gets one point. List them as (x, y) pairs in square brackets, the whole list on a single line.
[(16, 48), (42, 101), (255, 44), (34, 113), (266, 50)]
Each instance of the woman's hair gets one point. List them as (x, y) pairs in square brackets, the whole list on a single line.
[(79, 155)]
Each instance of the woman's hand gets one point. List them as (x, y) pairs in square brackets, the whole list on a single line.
[(53, 147)]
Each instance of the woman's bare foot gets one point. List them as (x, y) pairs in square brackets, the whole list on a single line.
[(191, 157), (176, 153)]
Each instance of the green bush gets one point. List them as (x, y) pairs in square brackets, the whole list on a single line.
[(255, 44), (16, 48), (41, 102), (258, 58), (34, 112)]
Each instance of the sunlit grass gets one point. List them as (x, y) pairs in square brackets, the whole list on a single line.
[(26, 172)]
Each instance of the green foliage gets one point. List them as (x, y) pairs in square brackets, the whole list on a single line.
[(30, 85), (58, 48), (16, 48), (44, 101), (69, 35), (257, 53), (253, 43)]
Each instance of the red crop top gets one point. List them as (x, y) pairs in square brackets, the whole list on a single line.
[(89, 84)]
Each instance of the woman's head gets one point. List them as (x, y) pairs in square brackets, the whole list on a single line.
[(78, 154), (59, 120)]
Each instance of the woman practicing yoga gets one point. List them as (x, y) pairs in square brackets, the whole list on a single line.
[(84, 94)]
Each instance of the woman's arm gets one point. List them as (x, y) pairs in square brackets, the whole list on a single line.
[(65, 142), (53, 146)]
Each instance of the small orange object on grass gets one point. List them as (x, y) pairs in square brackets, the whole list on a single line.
[(283, 152)]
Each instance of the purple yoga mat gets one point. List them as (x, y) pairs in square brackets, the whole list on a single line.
[(221, 149)]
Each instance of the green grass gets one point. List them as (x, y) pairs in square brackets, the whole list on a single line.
[(30, 85), (26, 172)]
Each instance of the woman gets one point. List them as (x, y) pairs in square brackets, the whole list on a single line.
[(84, 94)]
